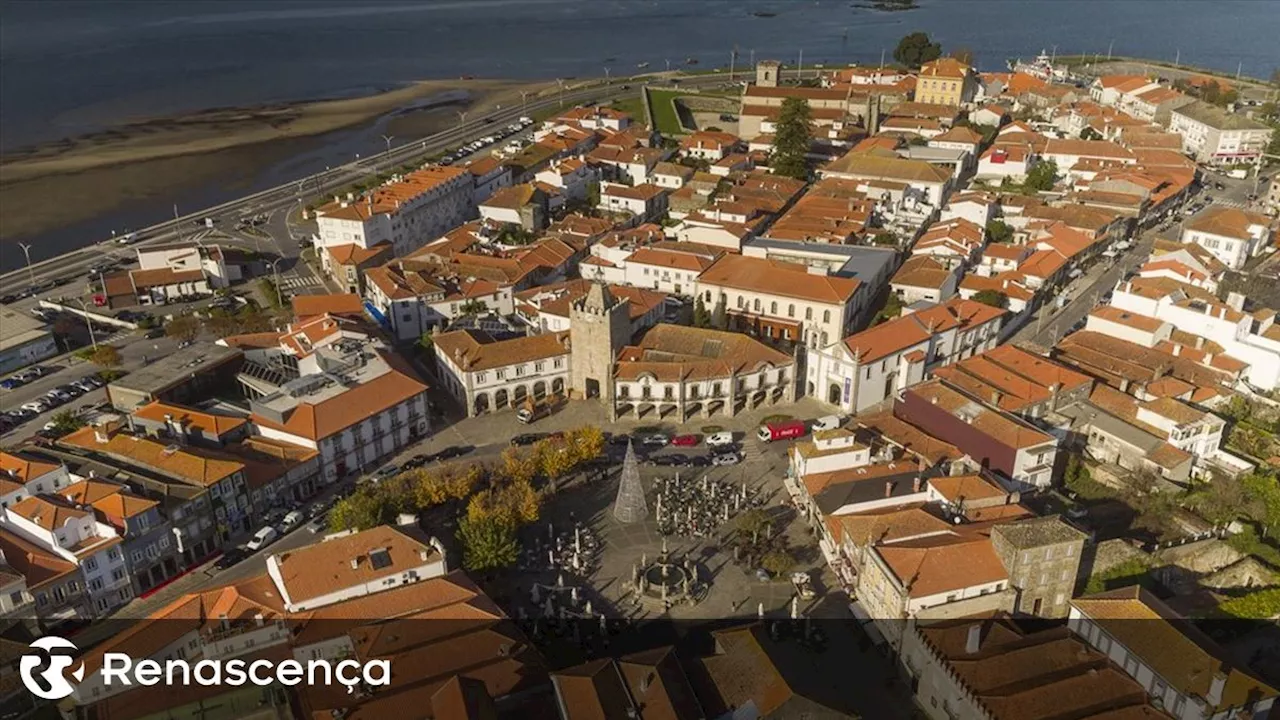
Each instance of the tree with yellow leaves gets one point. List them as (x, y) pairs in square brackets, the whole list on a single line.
[(430, 488), (587, 443), (518, 465), (556, 458)]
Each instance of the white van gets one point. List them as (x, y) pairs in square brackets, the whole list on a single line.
[(292, 519), (261, 539), (720, 439), (829, 422)]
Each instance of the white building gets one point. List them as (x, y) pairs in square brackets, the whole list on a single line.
[(646, 202), (182, 257), (1183, 671), (407, 212), (485, 374), (783, 300), (75, 535), (571, 176), (1232, 235), (1216, 136), (870, 367), (350, 398), (1240, 335)]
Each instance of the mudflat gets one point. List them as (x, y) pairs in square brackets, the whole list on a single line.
[(63, 183)]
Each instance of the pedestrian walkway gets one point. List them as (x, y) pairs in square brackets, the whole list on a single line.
[(298, 282)]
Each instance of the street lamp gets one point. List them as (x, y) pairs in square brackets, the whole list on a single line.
[(462, 117), (31, 274), (388, 139), (606, 75), (275, 270), (524, 101), (560, 81), (87, 322)]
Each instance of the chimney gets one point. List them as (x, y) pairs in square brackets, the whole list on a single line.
[(995, 397), (404, 519), (973, 640), (100, 434), (888, 488), (355, 563), (1177, 349), (915, 484), (1216, 685), (259, 619), (1199, 342)]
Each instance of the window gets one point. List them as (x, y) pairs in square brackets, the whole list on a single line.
[(91, 564), (557, 363), (808, 313), (791, 310), (826, 316), (113, 554), (137, 556), (773, 308), (95, 584), (163, 542), (538, 366), (501, 374), (482, 376), (755, 304), (16, 598), (117, 574), (519, 370)]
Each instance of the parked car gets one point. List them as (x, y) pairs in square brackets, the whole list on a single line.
[(58, 396), (526, 438), (655, 440), (720, 439), (10, 383), (71, 389), (230, 557), (292, 519), (36, 406), (619, 439), (451, 452), (687, 440), (261, 539), (827, 422), (723, 459)]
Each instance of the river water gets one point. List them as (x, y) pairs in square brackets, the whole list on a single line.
[(70, 67)]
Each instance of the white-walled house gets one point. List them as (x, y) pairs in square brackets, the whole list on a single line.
[(1183, 671), (1213, 135), (75, 535), (1232, 235), (869, 367), (354, 401), (407, 212), (645, 202), (1240, 335), (485, 374)]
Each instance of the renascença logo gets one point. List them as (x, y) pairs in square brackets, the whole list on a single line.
[(44, 673)]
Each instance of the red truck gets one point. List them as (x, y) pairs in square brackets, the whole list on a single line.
[(781, 430)]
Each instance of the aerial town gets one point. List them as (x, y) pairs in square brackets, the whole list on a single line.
[(878, 391)]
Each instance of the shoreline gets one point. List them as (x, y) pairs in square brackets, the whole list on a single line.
[(67, 183)]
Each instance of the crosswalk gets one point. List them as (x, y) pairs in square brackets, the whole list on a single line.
[(298, 282), (1238, 204)]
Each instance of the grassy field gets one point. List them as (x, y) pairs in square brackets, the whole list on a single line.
[(632, 105), (665, 118)]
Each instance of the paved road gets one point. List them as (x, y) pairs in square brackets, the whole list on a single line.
[(283, 197)]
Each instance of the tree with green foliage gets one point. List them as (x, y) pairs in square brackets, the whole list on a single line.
[(66, 422), (892, 309), (365, 508), (701, 318), (791, 140), (994, 298), (270, 292), (185, 328), (886, 238), (998, 231), (1042, 176), (916, 49), (427, 341), (1090, 134), (488, 543), (719, 315), (1263, 490)]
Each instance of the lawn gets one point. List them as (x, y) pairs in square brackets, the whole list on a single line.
[(665, 119), (1130, 572), (632, 105)]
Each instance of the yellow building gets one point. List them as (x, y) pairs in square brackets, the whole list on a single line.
[(946, 81)]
